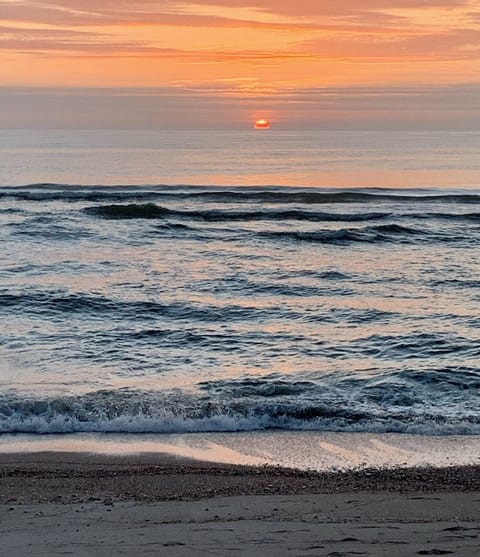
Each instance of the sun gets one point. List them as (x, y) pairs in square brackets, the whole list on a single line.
[(262, 124)]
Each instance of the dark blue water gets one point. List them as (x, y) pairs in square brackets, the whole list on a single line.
[(175, 308)]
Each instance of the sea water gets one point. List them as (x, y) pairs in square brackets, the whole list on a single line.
[(181, 282)]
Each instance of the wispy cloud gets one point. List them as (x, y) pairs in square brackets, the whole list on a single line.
[(256, 45)]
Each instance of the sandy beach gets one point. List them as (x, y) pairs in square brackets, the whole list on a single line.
[(81, 504)]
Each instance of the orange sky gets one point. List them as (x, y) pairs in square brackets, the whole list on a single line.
[(239, 48)]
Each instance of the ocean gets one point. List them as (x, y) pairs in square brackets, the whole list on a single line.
[(185, 282)]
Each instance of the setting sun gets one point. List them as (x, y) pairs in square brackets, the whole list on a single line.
[(262, 124)]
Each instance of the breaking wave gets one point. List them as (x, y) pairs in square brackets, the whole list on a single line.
[(395, 403)]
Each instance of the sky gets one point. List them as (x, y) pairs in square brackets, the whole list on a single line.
[(225, 63)]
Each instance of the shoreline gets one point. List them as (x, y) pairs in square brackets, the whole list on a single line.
[(79, 477), (301, 450)]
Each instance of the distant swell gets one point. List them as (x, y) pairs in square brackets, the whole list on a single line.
[(273, 195), (316, 197)]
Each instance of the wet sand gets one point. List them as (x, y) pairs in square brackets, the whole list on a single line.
[(80, 504)]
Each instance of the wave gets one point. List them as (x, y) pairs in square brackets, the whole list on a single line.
[(380, 233), (413, 346), (273, 195), (139, 316), (37, 231), (466, 217), (57, 304), (132, 211), (369, 234), (153, 211), (428, 403)]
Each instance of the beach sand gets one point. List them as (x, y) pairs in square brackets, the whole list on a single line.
[(83, 504)]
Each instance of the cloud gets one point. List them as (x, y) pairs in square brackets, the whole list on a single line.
[(278, 41), (330, 28), (191, 12), (455, 44)]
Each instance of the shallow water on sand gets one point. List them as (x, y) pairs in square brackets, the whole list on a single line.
[(309, 450)]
